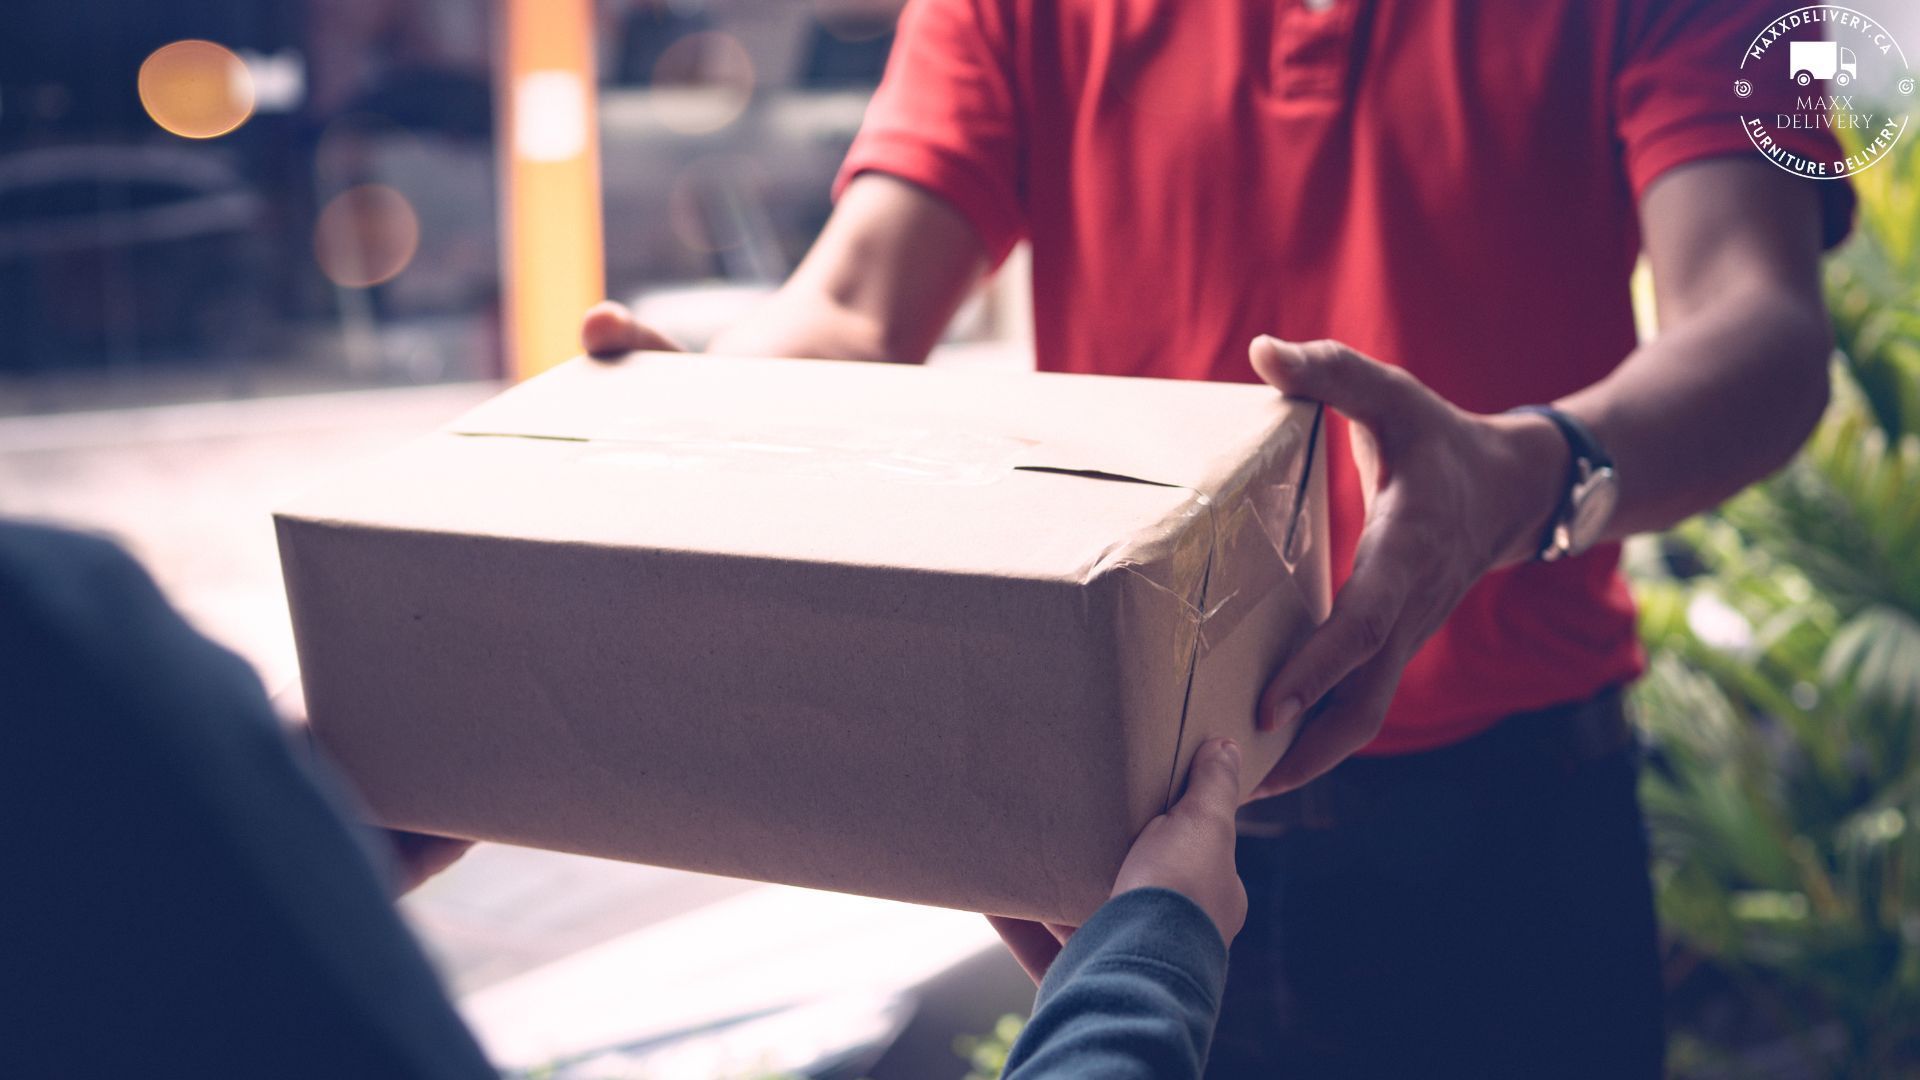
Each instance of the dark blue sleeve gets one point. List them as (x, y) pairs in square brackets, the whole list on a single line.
[(180, 894), (1135, 993)]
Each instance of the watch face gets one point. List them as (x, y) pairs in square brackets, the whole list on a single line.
[(1593, 500)]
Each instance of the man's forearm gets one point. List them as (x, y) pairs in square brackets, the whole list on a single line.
[(1737, 377), (881, 283), (1723, 397), (801, 321)]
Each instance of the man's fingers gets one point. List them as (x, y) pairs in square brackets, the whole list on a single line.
[(1213, 782), (1375, 394), (1034, 946), (1350, 719), (610, 331), (1365, 612)]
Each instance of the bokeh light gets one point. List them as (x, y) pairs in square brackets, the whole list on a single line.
[(366, 236), (196, 89), (714, 63)]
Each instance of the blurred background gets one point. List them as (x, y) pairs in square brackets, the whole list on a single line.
[(242, 240), (233, 199)]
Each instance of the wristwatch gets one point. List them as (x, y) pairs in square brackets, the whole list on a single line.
[(1592, 490)]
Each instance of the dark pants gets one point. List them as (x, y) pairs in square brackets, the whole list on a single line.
[(1478, 911)]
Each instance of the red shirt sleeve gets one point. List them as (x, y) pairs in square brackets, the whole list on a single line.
[(945, 116), (1674, 99)]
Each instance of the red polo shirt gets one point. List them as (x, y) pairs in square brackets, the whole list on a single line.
[(1447, 185)]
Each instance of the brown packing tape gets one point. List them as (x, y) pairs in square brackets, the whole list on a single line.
[(1254, 519), (903, 454), (877, 421)]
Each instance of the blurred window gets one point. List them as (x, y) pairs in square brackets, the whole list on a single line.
[(722, 123), (231, 198)]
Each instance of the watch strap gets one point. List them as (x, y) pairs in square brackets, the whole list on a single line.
[(1586, 457), (1579, 439)]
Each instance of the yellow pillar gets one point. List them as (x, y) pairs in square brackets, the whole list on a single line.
[(549, 147)]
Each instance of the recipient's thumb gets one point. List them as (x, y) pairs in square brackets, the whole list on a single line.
[(1213, 781)]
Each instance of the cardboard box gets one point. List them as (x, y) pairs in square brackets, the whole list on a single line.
[(943, 637)]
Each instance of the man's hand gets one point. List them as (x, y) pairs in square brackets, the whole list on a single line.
[(1188, 849), (1450, 495), (881, 282), (1724, 394), (610, 332)]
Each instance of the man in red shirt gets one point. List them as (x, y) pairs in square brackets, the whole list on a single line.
[(1424, 214)]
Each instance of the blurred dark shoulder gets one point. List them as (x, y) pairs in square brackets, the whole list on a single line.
[(77, 612)]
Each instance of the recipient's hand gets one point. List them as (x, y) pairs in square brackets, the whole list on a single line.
[(1450, 495), (416, 856), (1188, 849), (610, 331)]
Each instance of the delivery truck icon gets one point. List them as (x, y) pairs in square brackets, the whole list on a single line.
[(1822, 60)]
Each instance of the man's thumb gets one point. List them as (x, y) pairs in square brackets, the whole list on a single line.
[(1364, 389), (610, 331)]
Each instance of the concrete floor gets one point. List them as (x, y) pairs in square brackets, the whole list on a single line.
[(552, 954)]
